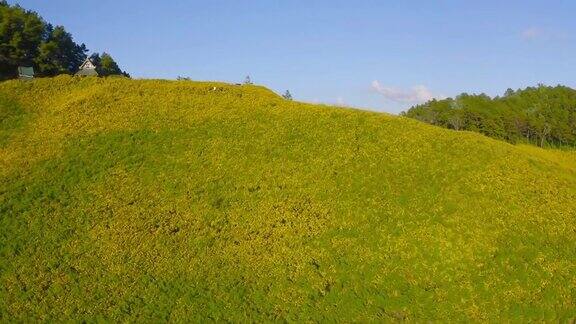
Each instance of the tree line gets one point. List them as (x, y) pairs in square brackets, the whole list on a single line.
[(542, 115), (26, 39)]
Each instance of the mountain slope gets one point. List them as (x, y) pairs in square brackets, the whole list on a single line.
[(162, 200)]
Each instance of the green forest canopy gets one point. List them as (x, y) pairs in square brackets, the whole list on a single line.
[(542, 115), (26, 39)]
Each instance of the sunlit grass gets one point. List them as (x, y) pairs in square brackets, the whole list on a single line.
[(126, 200)]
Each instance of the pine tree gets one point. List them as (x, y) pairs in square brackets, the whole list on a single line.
[(59, 54), (21, 33)]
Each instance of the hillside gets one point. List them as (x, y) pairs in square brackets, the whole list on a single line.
[(124, 200), (543, 116)]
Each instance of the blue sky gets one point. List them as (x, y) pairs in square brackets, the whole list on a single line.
[(378, 55)]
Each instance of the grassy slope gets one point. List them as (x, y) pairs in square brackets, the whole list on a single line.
[(156, 200)]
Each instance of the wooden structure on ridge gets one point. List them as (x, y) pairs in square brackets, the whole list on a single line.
[(88, 68), (25, 73)]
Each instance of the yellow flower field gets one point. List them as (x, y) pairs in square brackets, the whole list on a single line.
[(153, 200)]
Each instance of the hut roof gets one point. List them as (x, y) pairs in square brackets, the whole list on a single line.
[(25, 72)]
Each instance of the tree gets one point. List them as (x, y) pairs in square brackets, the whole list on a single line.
[(21, 33), (509, 93), (539, 115), (106, 65), (287, 95), (59, 54), (27, 40), (248, 81), (456, 120)]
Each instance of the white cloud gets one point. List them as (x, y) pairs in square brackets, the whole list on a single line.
[(340, 101), (542, 34), (416, 94), (532, 33)]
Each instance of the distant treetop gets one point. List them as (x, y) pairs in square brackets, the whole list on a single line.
[(542, 115)]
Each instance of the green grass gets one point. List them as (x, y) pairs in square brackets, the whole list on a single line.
[(125, 200)]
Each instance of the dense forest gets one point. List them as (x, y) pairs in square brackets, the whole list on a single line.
[(26, 39), (542, 115)]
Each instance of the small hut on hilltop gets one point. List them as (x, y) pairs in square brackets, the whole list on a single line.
[(25, 72), (88, 68)]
